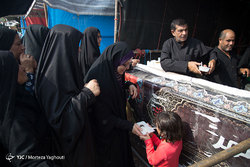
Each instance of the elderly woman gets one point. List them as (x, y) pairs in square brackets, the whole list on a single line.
[(108, 115), (9, 40)]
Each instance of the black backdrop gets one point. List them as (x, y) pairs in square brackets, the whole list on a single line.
[(14, 7), (145, 24)]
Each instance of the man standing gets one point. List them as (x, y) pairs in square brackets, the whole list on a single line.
[(182, 54), (226, 68)]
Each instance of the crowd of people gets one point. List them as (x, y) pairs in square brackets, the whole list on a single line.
[(60, 96)]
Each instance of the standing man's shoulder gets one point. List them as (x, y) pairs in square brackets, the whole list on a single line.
[(169, 41), (168, 44), (216, 49), (195, 41)]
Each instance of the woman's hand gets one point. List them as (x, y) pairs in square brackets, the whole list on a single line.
[(133, 91), (135, 61), (22, 77), (93, 86), (28, 62), (137, 130)]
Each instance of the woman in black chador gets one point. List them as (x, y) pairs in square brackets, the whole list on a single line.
[(33, 40), (23, 127), (64, 98), (89, 48), (108, 115)]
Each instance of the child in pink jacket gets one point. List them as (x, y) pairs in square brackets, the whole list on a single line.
[(169, 127)]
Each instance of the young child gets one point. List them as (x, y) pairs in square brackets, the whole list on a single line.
[(169, 127)]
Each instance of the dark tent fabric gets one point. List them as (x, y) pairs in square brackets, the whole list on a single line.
[(146, 24), (15, 7)]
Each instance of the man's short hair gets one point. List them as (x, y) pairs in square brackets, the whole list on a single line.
[(179, 22), (223, 33)]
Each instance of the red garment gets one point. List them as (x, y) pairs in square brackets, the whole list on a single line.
[(166, 154)]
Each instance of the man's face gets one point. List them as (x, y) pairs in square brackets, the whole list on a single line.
[(17, 47), (180, 33), (227, 43)]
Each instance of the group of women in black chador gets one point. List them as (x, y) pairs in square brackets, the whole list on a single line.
[(76, 109)]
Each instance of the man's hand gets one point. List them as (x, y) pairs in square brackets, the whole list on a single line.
[(245, 70), (211, 65), (28, 62), (193, 67), (93, 86)]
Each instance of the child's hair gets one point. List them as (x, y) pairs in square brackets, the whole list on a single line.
[(170, 125)]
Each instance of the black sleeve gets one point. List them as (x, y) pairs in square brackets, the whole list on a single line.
[(109, 120), (213, 55), (169, 64), (76, 110), (70, 124), (128, 83), (245, 59), (208, 54), (122, 124)]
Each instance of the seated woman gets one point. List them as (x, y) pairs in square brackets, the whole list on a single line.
[(108, 116)]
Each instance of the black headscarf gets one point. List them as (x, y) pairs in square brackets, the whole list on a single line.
[(89, 49), (245, 59), (34, 38), (8, 82), (7, 37), (108, 117), (23, 127), (60, 91)]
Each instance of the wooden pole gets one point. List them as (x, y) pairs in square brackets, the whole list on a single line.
[(116, 20), (223, 155), (46, 14)]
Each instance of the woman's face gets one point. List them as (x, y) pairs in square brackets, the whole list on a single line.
[(122, 68), (17, 47), (99, 39)]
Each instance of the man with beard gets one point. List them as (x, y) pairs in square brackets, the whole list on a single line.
[(226, 71)]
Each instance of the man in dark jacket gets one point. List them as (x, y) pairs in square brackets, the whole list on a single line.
[(182, 54), (226, 71)]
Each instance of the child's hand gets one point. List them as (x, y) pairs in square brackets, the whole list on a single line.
[(145, 137)]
